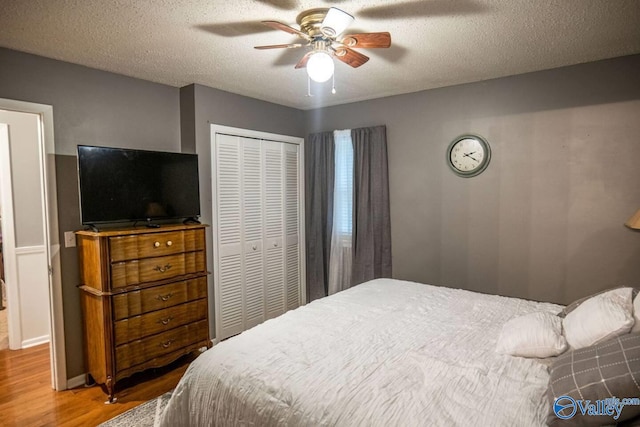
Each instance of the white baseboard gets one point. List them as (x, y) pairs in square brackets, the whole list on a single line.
[(35, 341), (76, 381)]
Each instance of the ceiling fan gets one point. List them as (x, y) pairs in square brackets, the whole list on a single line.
[(321, 29)]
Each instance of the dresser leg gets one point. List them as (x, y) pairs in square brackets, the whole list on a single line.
[(110, 389)]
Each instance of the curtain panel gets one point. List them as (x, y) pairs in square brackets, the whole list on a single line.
[(319, 182), (371, 213)]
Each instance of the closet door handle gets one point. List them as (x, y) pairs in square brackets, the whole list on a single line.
[(254, 247), (275, 244)]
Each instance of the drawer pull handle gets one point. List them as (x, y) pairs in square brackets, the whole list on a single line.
[(165, 321), (156, 244), (162, 269), (164, 298), (166, 344), (169, 243)]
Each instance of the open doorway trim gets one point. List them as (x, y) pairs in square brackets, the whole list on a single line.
[(51, 236)]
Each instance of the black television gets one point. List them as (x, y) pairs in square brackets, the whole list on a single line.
[(125, 185)]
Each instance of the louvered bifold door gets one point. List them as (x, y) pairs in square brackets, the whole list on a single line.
[(292, 225), (257, 202), (228, 269), (252, 207), (274, 228)]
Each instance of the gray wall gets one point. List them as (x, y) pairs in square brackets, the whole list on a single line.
[(545, 220), (203, 106), (95, 108)]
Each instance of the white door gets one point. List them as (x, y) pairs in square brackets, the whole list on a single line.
[(292, 225), (274, 228), (252, 226), (228, 271)]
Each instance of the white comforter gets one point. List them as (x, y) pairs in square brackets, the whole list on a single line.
[(384, 353)]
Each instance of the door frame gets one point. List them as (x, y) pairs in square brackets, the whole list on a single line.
[(51, 236)]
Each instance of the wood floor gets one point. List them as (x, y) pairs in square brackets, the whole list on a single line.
[(26, 397)]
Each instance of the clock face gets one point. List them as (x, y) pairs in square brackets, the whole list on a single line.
[(468, 155)]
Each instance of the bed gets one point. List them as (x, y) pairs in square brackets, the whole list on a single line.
[(386, 352)]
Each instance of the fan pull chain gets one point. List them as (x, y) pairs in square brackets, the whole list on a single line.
[(333, 84), (309, 86)]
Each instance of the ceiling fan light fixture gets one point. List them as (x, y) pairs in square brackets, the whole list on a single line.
[(335, 22), (320, 67)]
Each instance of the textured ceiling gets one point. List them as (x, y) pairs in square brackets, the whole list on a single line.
[(435, 43)]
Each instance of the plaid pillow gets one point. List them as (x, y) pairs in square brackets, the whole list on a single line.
[(573, 305), (606, 370)]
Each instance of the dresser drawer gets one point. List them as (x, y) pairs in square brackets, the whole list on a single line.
[(139, 351), (135, 328), (134, 272), (124, 248), (135, 303)]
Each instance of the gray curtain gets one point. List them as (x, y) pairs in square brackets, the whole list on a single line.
[(319, 177), (371, 217)]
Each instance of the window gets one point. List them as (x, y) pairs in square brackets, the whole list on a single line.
[(341, 236), (343, 185)]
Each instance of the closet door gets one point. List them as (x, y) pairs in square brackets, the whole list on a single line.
[(258, 231), (274, 228), (252, 218), (292, 225), (229, 271)]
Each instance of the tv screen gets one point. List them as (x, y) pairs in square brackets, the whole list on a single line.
[(118, 185)]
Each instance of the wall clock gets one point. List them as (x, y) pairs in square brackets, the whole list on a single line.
[(468, 155)]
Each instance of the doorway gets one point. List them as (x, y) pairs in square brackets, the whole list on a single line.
[(4, 325), (30, 235)]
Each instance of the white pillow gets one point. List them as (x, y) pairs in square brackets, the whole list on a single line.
[(636, 314), (600, 318), (532, 335)]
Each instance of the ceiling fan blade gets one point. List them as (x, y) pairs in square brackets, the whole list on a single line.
[(303, 62), (280, 46), (335, 22), (284, 27), (367, 40), (351, 57)]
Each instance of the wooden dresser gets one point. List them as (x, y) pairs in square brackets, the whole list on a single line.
[(144, 298)]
